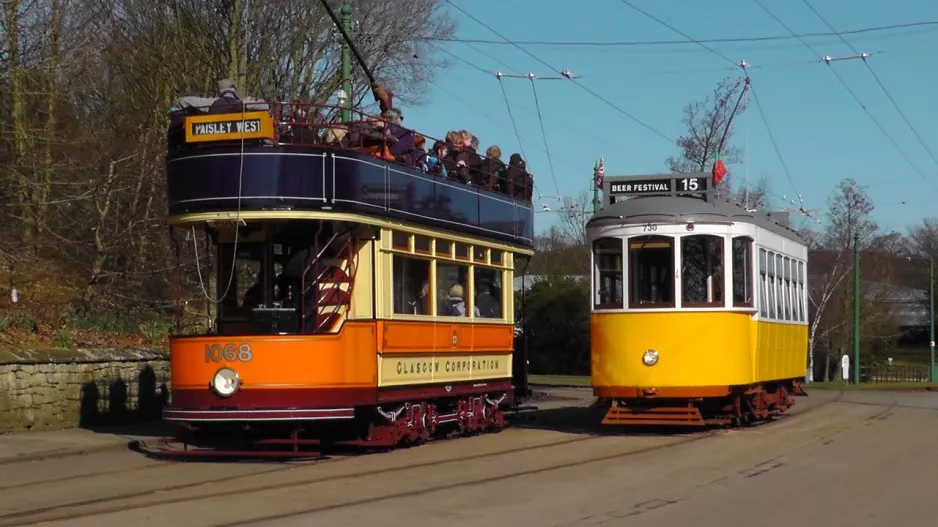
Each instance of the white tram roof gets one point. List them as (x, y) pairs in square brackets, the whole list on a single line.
[(667, 209)]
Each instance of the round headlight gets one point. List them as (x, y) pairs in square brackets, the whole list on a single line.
[(226, 382), (650, 358)]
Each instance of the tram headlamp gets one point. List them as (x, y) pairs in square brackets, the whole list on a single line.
[(650, 357), (226, 382)]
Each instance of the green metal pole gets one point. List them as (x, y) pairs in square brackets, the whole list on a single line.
[(347, 62), (931, 311), (856, 308)]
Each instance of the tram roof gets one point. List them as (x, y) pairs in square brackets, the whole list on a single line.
[(687, 209)]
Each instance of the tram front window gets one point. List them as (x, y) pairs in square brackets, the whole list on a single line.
[(651, 272), (702, 271)]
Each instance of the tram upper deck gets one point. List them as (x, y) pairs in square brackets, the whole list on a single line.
[(295, 160)]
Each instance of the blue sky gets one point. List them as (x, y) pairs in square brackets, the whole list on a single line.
[(822, 133)]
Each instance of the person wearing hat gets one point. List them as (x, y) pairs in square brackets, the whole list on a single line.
[(227, 100)]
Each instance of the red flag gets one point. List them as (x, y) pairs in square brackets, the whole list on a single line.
[(719, 170)]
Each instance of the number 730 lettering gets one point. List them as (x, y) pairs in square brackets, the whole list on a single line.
[(228, 352)]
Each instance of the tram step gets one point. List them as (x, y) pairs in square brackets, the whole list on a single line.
[(656, 416)]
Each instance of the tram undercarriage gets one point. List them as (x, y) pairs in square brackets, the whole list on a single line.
[(378, 427), (680, 407)]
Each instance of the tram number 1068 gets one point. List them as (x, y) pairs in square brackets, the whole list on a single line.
[(228, 352)]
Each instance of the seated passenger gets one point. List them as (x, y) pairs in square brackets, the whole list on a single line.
[(434, 160), (457, 303), (476, 162), (402, 145), (227, 101), (520, 182), (493, 169), (459, 156)]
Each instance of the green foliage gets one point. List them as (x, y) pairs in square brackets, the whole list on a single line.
[(118, 323), (3, 323), (25, 321), (556, 323), (155, 331), (62, 340)]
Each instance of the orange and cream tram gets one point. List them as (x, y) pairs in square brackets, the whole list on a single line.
[(699, 311), (353, 297)]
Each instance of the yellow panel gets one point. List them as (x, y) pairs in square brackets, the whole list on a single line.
[(363, 293), (426, 369), (782, 350), (695, 349), (228, 127)]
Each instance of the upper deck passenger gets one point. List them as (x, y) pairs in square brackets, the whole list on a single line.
[(228, 100)]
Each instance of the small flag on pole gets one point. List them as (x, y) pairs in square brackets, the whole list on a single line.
[(719, 169)]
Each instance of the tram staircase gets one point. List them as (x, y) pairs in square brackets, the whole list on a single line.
[(330, 279)]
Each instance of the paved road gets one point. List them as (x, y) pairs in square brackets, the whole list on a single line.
[(858, 459)]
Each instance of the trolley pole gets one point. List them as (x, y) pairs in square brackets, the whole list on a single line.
[(856, 307), (931, 312), (596, 202), (347, 62)]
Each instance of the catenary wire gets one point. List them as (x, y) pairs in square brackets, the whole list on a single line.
[(627, 43), (540, 120), (755, 99), (852, 94), (558, 71), (878, 81)]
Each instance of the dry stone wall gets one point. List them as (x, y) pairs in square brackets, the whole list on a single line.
[(54, 389)]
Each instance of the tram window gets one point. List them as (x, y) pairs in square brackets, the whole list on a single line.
[(742, 272), (462, 251), (411, 286), (496, 257), (607, 257), (779, 286), (444, 248), (764, 285), (421, 244), (245, 290), (771, 285), (702, 270), (651, 272), (488, 292), (478, 254), (801, 296), (452, 286), (400, 240)]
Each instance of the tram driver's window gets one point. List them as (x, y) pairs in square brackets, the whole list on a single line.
[(411, 284), (607, 257), (488, 292), (742, 272), (702, 271), (651, 272), (246, 289)]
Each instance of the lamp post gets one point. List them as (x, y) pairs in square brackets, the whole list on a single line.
[(342, 98)]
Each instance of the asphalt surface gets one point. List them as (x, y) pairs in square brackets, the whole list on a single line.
[(852, 458)]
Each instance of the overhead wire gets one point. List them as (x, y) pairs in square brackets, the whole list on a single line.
[(744, 66), (878, 81), (556, 70), (628, 43), (852, 94), (540, 120)]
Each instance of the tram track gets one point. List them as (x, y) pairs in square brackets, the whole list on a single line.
[(111, 504), (229, 479)]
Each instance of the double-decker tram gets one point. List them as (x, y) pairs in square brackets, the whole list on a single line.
[(699, 312), (357, 296)]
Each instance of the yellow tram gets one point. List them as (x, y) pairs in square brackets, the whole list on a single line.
[(699, 306)]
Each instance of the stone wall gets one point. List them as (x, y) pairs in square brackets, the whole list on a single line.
[(53, 389)]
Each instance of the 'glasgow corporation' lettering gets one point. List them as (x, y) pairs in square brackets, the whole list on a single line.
[(227, 127), (448, 366)]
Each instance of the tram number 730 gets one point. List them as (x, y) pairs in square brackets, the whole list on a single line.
[(228, 352)]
